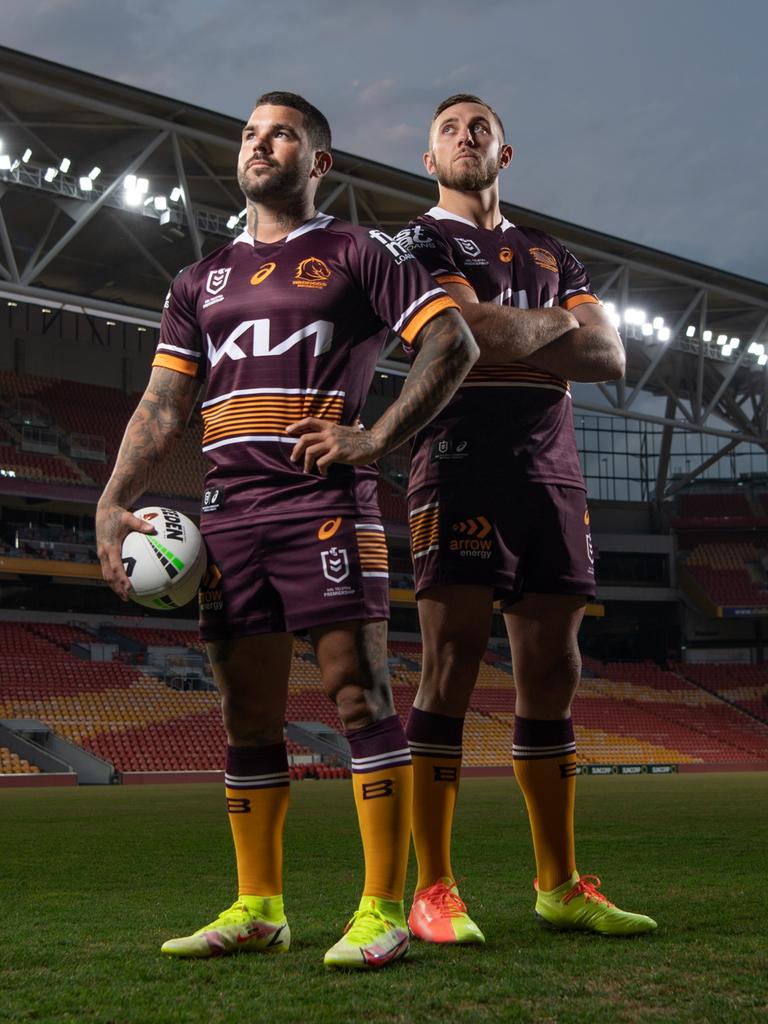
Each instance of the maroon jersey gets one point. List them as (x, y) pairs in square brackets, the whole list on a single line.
[(284, 330), (509, 418)]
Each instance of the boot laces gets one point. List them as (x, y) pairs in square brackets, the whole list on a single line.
[(444, 899), (587, 887), (368, 924)]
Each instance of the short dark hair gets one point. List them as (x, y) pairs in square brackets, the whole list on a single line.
[(466, 97), (315, 122)]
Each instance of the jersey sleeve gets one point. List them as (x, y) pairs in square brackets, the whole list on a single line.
[(575, 288), (434, 252), (401, 292), (181, 345)]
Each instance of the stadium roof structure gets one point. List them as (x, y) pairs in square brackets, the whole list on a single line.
[(107, 190)]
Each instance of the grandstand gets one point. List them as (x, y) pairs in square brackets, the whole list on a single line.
[(674, 458)]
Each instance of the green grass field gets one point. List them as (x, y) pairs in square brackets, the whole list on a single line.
[(92, 880)]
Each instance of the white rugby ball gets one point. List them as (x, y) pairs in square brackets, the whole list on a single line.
[(165, 567)]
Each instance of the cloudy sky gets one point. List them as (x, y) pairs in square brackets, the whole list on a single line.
[(646, 120)]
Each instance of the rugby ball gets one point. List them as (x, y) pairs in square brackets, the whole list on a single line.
[(165, 567)]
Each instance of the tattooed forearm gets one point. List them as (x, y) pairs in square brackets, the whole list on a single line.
[(447, 352), (153, 430)]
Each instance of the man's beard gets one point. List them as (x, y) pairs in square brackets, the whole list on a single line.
[(468, 175), (275, 186)]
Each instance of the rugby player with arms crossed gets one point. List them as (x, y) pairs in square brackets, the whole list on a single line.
[(498, 510)]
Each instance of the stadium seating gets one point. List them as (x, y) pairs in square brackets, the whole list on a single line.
[(723, 572), (624, 713), (12, 764)]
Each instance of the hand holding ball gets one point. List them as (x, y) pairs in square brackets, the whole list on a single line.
[(165, 568)]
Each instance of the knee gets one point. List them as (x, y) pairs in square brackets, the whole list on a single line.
[(448, 677), (359, 705), (249, 727), (546, 685)]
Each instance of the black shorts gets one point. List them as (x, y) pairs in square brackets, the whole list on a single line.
[(286, 576), (533, 539)]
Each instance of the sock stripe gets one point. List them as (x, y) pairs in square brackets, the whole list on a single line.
[(531, 753), (256, 781), (435, 750), (390, 759)]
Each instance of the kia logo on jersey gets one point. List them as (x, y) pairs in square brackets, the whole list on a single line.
[(217, 280)]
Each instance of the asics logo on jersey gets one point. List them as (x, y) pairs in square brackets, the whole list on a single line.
[(217, 280), (321, 330), (396, 247), (263, 273), (329, 528)]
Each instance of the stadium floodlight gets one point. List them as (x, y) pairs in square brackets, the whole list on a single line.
[(26, 155), (726, 350), (232, 222), (94, 173), (707, 336), (762, 360), (721, 339), (690, 331), (647, 330), (734, 342), (142, 186), (176, 194), (86, 185), (161, 203), (754, 349), (132, 197), (664, 334), (129, 182), (634, 316), (50, 174), (242, 213), (165, 216), (658, 323), (65, 164), (5, 162)]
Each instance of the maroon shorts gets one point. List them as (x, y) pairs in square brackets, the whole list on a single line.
[(285, 576), (533, 539)]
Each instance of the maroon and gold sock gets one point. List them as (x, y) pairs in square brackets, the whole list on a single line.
[(257, 789), (435, 742), (544, 757), (382, 780)]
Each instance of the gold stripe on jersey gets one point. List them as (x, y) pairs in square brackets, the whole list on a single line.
[(425, 314), (265, 414), (424, 524), (514, 375), (578, 300), (445, 279), (174, 363), (372, 548)]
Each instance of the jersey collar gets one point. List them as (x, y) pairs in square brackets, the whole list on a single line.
[(440, 214), (320, 220)]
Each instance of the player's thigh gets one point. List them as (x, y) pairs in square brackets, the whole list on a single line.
[(354, 667), (543, 638), (455, 624), (252, 675)]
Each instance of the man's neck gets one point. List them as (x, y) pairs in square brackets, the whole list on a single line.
[(482, 208), (272, 223)]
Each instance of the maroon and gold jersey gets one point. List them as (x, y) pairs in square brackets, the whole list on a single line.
[(279, 331), (509, 418)]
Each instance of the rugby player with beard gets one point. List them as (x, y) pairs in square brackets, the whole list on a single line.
[(497, 511)]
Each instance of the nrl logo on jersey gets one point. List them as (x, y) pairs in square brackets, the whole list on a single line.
[(335, 564), (468, 247), (394, 245), (217, 280)]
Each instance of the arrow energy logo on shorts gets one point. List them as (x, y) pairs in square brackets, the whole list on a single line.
[(474, 542)]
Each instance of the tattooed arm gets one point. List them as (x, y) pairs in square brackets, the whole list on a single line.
[(153, 430), (446, 353)]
